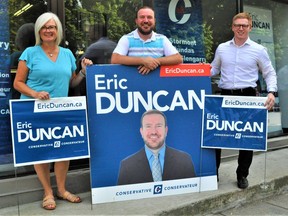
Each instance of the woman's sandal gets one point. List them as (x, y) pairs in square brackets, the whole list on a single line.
[(49, 203), (69, 197)]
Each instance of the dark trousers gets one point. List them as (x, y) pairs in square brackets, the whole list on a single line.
[(245, 157)]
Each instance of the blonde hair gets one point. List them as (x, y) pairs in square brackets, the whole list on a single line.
[(243, 15), (42, 20)]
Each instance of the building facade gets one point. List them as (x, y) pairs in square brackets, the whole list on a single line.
[(86, 21)]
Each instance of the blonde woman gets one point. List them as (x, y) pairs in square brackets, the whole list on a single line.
[(45, 71)]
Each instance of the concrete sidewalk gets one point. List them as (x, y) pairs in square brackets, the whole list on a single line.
[(268, 178), (272, 205)]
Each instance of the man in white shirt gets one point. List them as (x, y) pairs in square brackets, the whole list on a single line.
[(239, 61)]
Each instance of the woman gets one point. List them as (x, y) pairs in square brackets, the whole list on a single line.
[(45, 71)]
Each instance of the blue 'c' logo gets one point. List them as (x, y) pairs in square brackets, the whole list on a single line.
[(157, 189), (172, 11)]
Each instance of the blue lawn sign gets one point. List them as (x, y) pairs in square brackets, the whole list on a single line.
[(117, 96), (49, 130), (234, 122)]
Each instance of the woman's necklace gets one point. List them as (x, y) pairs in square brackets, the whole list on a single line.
[(51, 53)]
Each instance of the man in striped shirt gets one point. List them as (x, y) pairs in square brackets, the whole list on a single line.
[(144, 47)]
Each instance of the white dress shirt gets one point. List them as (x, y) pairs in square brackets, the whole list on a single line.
[(239, 65)]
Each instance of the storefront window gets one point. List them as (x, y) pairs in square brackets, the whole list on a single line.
[(217, 20), (20, 13), (270, 29), (217, 28), (85, 21)]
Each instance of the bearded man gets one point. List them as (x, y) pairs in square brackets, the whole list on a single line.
[(145, 48), (156, 161)]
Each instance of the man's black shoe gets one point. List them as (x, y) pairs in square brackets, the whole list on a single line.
[(242, 183)]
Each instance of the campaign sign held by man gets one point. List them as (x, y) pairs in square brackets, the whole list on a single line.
[(235, 122)]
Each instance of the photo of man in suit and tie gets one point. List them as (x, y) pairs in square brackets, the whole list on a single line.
[(155, 161)]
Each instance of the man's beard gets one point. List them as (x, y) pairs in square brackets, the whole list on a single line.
[(155, 147), (145, 32)]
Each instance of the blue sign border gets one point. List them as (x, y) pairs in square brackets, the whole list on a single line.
[(235, 122), (49, 134)]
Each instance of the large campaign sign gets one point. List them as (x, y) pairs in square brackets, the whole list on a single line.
[(117, 96), (49, 130), (235, 122)]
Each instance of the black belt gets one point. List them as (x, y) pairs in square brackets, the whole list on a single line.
[(238, 91)]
